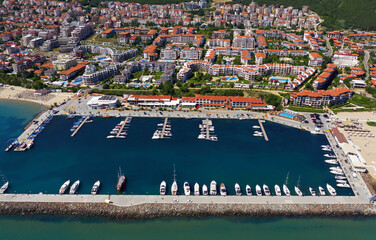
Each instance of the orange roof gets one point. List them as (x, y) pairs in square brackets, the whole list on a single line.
[(315, 55), (260, 55)]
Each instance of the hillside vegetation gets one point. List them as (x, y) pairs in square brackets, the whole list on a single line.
[(338, 14)]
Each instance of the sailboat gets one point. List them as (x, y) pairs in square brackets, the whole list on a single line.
[(174, 187), (286, 190), (297, 190)]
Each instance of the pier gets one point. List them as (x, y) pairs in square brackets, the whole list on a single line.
[(164, 128), (263, 130), (122, 127), (79, 126)]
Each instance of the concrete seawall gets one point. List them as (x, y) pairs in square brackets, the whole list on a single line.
[(162, 210)]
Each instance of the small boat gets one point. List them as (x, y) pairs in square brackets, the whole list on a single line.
[(223, 190), (74, 187), (297, 190), (330, 155), (204, 190), (162, 188), (187, 189), (201, 136), (64, 187), (248, 190), (325, 146), (121, 180), (266, 190), (4, 188), (256, 126), (327, 149), (238, 191), (156, 135), (322, 191), (121, 137), (331, 161), (335, 168), (257, 135), (342, 177), (174, 188), (331, 190), (277, 190), (213, 188), (343, 185), (337, 172), (258, 190), (213, 138), (286, 190), (95, 188), (341, 181), (197, 189), (313, 193), (110, 136)]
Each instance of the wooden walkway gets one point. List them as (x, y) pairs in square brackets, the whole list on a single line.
[(122, 127), (164, 127), (263, 131), (78, 128)]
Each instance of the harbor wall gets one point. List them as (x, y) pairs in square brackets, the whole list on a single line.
[(165, 210)]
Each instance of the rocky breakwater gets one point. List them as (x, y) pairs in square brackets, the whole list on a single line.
[(155, 210)]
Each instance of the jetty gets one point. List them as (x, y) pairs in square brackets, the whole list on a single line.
[(207, 123), (79, 126), (164, 128), (122, 127), (263, 130)]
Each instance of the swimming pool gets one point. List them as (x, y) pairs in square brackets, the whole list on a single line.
[(279, 79), (101, 58), (231, 79), (283, 114)]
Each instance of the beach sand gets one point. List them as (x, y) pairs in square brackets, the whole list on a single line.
[(366, 144), (24, 94)]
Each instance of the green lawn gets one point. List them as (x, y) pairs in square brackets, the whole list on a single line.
[(306, 109), (363, 101), (373, 124)]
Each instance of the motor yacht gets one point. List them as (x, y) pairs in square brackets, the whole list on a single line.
[(95, 188), (313, 193), (223, 190), (322, 191), (258, 190), (205, 190), (248, 190), (187, 189), (74, 187), (238, 191), (197, 189), (331, 190), (162, 188), (64, 187), (266, 190), (277, 190), (213, 188)]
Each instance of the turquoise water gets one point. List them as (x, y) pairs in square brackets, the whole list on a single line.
[(237, 157), (14, 116)]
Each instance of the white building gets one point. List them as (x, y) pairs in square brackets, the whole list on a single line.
[(102, 102)]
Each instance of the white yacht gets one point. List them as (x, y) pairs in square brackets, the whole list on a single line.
[(297, 190), (331, 161), (337, 172), (322, 191), (330, 155), (4, 188), (95, 188), (331, 190), (187, 189), (256, 126), (286, 190), (110, 136), (162, 188), (248, 190), (328, 149), (197, 189), (174, 188), (201, 136), (342, 177), (238, 191), (213, 188), (223, 190), (341, 181), (266, 190), (64, 187), (335, 168), (258, 190), (213, 138), (313, 193), (204, 190), (325, 146), (74, 187), (277, 190), (343, 185)]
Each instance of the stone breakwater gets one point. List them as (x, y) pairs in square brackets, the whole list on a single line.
[(158, 210)]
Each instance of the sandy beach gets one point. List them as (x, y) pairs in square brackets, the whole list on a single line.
[(366, 144), (24, 94)]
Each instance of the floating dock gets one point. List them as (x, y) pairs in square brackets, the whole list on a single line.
[(122, 127), (263, 130), (207, 123), (79, 126), (164, 128)]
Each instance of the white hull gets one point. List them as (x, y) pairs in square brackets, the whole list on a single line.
[(64, 187), (187, 189), (343, 185), (258, 190), (286, 190), (248, 190), (277, 190), (266, 190), (331, 190), (322, 191), (74, 187), (213, 188), (95, 188), (174, 188), (313, 193), (205, 190), (162, 188), (197, 189), (4, 188), (297, 190), (238, 191), (223, 190)]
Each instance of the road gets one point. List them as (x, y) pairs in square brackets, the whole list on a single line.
[(329, 53), (365, 63)]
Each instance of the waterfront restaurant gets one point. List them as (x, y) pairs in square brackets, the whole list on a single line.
[(152, 100)]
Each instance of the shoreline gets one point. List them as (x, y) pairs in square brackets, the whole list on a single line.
[(163, 210)]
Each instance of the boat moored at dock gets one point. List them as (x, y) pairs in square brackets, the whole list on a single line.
[(238, 191), (223, 190), (162, 188), (266, 190), (205, 190), (121, 181), (313, 193), (187, 189), (277, 190), (298, 192), (322, 191), (4, 187), (95, 188), (248, 190), (331, 190), (64, 187), (258, 190), (74, 187), (286, 190), (213, 188), (196, 189)]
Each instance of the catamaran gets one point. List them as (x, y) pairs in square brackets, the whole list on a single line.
[(162, 188), (331, 190), (238, 191), (213, 188), (204, 190), (277, 190), (187, 189), (266, 190), (197, 189), (248, 190), (74, 187), (64, 187), (223, 190), (258, 190), (95, 188)]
